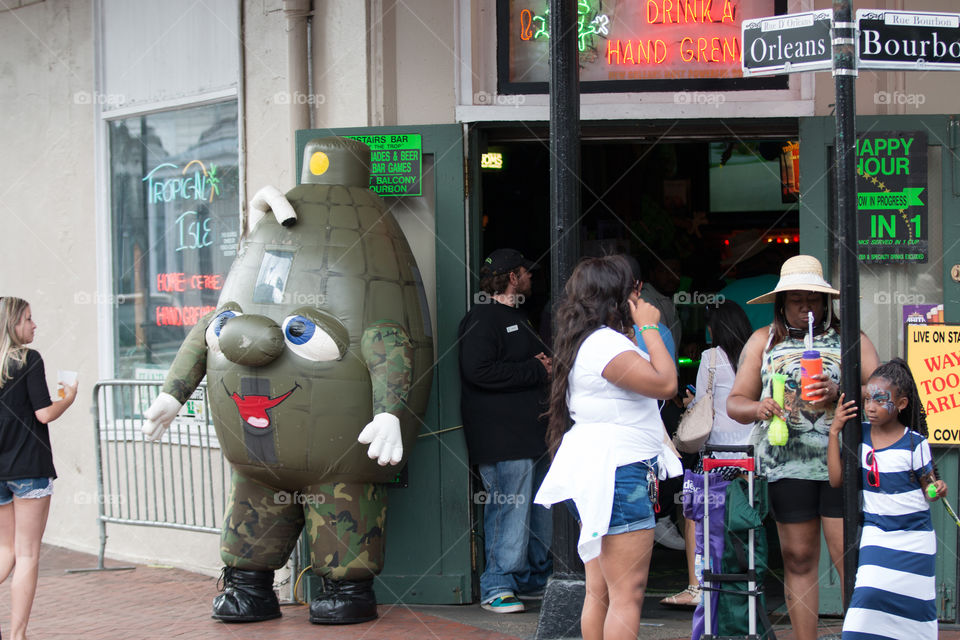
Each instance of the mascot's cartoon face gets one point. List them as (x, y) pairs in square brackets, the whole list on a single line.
[(288, 388)]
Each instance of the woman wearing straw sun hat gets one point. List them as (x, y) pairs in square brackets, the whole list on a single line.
[(801, 499)]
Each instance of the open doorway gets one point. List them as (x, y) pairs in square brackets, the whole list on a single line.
[(709, 212), (701, 210)]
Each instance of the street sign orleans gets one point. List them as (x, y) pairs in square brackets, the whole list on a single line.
[(908, 40), (787, 43)]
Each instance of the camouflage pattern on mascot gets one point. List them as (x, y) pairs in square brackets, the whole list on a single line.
[(321, 341)]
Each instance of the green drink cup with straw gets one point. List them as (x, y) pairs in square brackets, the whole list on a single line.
[(777, 433)]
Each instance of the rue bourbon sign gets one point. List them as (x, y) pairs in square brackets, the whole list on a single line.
[(908, 40)]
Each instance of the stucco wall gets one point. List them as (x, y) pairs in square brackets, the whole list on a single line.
[(49, 241), (269, 141)]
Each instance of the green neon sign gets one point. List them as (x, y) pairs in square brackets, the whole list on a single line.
[(590, 23)]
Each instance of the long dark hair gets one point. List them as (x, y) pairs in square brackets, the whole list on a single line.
[(729, 328), (780, 331), (595, 295), (897, 373)]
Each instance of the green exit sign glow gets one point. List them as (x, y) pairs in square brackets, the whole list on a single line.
[(492, 160)]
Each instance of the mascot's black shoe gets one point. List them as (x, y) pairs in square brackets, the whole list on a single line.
[(344, 602), (247, 596)]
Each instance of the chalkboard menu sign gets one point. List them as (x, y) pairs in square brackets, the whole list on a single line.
[(892, 197)]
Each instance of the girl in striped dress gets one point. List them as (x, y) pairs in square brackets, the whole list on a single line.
[(894, 596)]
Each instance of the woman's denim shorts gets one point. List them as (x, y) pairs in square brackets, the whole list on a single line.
[(632, 507), (25, 488)]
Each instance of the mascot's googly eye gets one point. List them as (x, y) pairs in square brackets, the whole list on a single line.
[(308, 340), (213, 330)]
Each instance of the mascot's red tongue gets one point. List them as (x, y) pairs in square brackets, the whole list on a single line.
[(253, 409)]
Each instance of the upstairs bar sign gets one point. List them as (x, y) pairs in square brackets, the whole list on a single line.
[(788, 43), (396, 163), (908, 40)]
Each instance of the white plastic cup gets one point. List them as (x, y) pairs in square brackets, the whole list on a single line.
[(65, 377)]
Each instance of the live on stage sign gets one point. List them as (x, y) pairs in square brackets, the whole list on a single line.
[(933, 353), (908, 40), (788, 43)]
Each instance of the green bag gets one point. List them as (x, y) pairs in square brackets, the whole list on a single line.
[(739, 518)]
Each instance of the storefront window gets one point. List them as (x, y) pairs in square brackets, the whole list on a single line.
[(175, 225), (625, 45)]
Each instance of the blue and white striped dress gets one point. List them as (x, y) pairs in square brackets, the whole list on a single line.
[(895, 595)]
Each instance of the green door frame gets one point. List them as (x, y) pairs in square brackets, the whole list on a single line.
[(429, 541), (817, 136)]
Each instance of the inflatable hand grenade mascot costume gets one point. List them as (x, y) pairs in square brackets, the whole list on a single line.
[(321, 341)]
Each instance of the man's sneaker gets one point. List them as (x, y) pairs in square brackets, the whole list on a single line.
[(665, 532), (504, 604)]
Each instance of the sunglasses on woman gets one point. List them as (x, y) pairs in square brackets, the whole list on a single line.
[(873, 473)]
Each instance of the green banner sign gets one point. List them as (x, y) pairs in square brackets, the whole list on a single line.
[(909, 197), (396, 163)]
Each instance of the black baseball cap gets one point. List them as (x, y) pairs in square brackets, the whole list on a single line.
[(506, 260)]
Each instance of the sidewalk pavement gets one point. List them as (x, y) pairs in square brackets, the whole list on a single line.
[(159, 602)]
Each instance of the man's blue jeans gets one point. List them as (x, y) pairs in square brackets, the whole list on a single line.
[(517, 533)]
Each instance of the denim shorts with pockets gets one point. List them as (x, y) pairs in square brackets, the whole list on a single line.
[(632, 508), (25, 488)]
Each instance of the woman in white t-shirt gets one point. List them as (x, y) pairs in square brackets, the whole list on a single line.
[(606, 436)]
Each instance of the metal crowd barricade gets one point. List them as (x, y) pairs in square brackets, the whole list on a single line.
[(179, 482)]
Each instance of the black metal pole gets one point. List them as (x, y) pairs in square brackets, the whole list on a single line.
[(564, 206), (564, 142), (563, 600), (845, 73)]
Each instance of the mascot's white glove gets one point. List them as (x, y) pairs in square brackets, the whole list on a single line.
[(159, 416), (383, 436)]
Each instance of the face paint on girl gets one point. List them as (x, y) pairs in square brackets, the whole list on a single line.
[(878, 403)]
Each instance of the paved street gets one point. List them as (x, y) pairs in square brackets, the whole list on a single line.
[(161, 602)]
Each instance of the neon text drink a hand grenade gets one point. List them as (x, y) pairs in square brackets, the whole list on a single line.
[(777, 433), (810, 365)]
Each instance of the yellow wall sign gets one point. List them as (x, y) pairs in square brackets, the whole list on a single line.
[(933, 353)]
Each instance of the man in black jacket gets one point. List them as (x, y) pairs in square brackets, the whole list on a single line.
[(504, 376)]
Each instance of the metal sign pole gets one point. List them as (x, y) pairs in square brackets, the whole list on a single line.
[(845, 73), (564, 142), (563, 599), (564, 201)]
